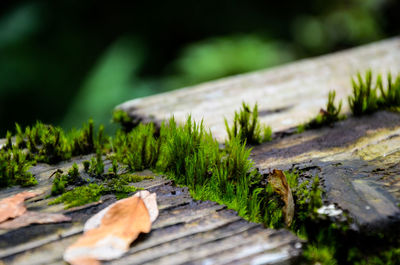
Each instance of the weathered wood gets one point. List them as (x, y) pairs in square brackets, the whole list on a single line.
[(358, 161), (287, 95), (182, 226)]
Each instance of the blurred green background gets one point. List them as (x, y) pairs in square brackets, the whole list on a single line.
[(65, 61)]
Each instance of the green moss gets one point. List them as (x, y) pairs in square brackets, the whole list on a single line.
[(84, 141), (14, 168), (118, 184), (139, 149), (324, 255), (122, 118), (326, 117), (301, 128), (390, 256), (364, 99), (390, 97), (246, 126), (60, 182), (134, 177), (94, 167), (80, 196), (47, 143)]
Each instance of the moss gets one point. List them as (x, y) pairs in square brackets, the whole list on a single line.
[(94, 167), (118, 184), (60, 182), (14, 167), (191, 156), (389, 256), (390, 97), (301, 128), (139, 149), (326, 117), (364, 99), (47, 143), (246, 126), (324, 255), (80, 196), (122, 118)]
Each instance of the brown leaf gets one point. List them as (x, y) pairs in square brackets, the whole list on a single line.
[(149, 199), (280, 185), (111, 231), (13, 206), (30, 217)]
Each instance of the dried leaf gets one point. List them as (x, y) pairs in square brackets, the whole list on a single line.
[(149, 199), (109, 233), (279, 184), (13, 206), (31, 217)]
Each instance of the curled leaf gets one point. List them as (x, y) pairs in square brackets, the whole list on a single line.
[(149, 199), (279, 184), (109, 233), (13, 206)]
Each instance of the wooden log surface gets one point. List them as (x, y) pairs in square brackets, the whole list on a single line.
[(287, 95), (186, 231), (357, 159)]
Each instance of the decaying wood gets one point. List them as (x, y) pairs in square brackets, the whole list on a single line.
[(185, 231), (287, 95), (357, 159)]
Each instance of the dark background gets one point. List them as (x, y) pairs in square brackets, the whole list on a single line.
[(64, 61)]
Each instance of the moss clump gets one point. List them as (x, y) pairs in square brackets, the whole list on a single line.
[(364, 99), (122, 118), (324, 255), (85, 141), (390, 97), (187, 153), (121, 187), (80, 196), (47, 143), (389, 256), (14, 167), (327, 116), (96, 166), (115, 183), (246, 126), (139, 148), (60, 182)]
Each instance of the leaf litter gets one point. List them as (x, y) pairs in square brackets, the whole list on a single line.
[(281, 186), (13, 213), (109, 233)]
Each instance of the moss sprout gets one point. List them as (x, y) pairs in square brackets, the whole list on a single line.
[(390, 97), (139, 149), (14, 167), (246, 126), (364, 99), (122, 118), (325, 117)]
